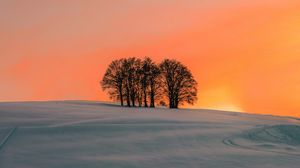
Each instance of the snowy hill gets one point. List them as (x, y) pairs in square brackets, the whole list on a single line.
[(81, 134)]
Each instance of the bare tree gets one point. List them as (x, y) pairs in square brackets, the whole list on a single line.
[(139, 81), (179, 84), (145, 73), (150, 73), (154, 82), (113, 80), (134, 80), (131, 67)]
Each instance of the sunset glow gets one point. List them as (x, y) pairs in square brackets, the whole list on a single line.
[(245, 55)]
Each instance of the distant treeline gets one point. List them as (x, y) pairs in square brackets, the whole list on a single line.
[(145, 83)]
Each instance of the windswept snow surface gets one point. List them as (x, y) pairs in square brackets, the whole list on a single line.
[(81, 134)]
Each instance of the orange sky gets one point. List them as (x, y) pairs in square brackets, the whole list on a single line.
[(245, 55)]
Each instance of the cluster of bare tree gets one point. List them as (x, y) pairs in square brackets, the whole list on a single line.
[(139, 81)]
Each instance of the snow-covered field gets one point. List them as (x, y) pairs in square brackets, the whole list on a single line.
[(79, 134)]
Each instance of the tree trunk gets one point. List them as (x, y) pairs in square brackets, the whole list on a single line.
[(140, 102), (128, 97), (176, 101), (121, 99), (152, 96), (171, 103), (128, 102), (140, 99), (133, 99), (152, 104), (121, 95), (145, 98)]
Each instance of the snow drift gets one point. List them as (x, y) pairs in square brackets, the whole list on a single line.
[(91, 134)]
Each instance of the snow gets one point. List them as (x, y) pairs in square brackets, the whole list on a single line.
[(83, 134)]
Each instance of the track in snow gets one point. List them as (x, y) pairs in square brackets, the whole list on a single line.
[(6, 138), (281, 139)]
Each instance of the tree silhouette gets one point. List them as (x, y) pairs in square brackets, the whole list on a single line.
[(131, 68), (154, 82), (134, 80), (145, 74), (179, 83), (113, 80)]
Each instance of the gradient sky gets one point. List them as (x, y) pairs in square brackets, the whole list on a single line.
[(245, 55)]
